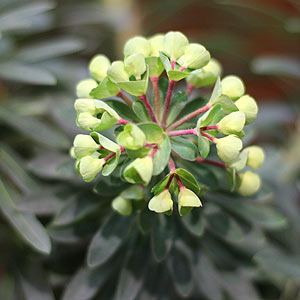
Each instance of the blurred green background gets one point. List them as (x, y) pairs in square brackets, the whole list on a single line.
[(45, 47)]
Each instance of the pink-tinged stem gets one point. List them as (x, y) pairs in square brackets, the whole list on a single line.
[(209, 128), (153, 151), (169, 182), (211, 162), (124, 122), (148, 107), (156, 96), (109, 156), (183, 132), (208, 136), (168, 101), (173, 63), (189, 89), (172, 165), (182, 68), (150, 145), (189, 116), (179, 182), (125, 98)]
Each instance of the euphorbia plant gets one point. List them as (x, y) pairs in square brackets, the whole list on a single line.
[(159, 127)]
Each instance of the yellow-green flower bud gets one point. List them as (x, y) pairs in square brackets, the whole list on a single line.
[(139, 171), (117, 73), (174, 44), (135, 64), (187, 199), (132, 137), (247, 105), (84, 145), (90, 167), (232, 123), (156, 43), (87, 121), (161, 203), (206, 76), (85, 105), (195, 56), (137, 45), (228, 148), (249, 183), (233, 86), (98, 67), (122, 206), (84, 87), (256, 156)]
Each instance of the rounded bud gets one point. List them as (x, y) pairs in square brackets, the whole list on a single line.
[(187, 199), (139, 171), (122, 206), (84, 145), (174, 44), (156, 43), (90, 167), (232, 123), (228, 148), (85, 105), (161, 203), (137, 45), (87, 121), (195, 56), (233, 86), (98, 67), (249, 183), (256, 156), (247, 105), (132, 137), (117, 73), (135, 64), (84, 87)]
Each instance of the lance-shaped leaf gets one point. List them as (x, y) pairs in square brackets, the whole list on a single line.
[(162, 155)]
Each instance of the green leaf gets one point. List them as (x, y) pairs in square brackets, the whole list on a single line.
[(203, 146), (159, 187), (28, 227), (184, 148), (154, 133), (231, 177), (162, 155), (177, 75), (180, 266), (105, 89), (133, 273), (108, 239), (188, 180), (193, 222), (227, 104), (138, 153), (178, 102), (36, 130), (145, 220), (76, 209), (162, 235), (123, 110), (223, 224), (24, 73), (165, 61), (48, 49), (211, 117), (217, 91), (140, 110)]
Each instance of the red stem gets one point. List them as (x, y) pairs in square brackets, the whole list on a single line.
[(172, 165), (211, 162), (169, 182), (189, 89), (173, 63), (208, 136), (156, 96), (209, 127), (167, 102), (153, 151), (179, 182), (183, 132), (148, 107), (125, 98), (123, 121), (182, 68), (109, 156), (190, 116)]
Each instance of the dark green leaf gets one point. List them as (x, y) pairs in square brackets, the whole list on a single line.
[(178, 102), (184, 148), (203, 146), (123, 110), (140, 110), (193, 222), (162, 155), (188, 180)]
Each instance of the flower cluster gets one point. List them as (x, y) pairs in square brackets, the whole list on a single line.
[(148, 124)]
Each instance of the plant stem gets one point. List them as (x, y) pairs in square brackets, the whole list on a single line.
[(189, 116), (172, 165), (211, 162), (208, 136), (156, 96), (169, 182), (109, 156), (153, 151), (125, 98), (167, 102), (181, 186), (123, 121), (148, 107), (183, 132), (209, 127), (189, 89)]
